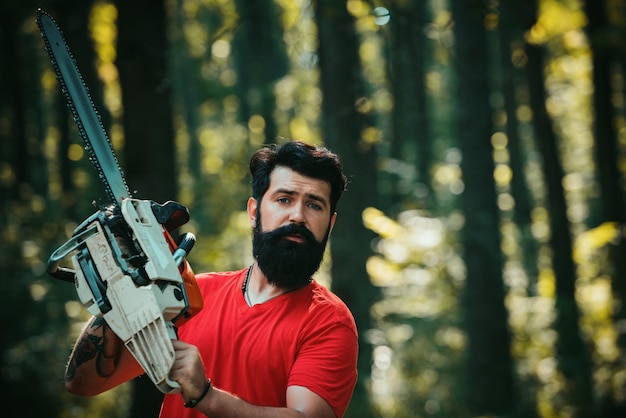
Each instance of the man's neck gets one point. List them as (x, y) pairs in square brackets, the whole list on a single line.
[(259, 289)]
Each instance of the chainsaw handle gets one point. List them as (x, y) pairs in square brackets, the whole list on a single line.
[(185, 246), (54, 262), (62, 273)]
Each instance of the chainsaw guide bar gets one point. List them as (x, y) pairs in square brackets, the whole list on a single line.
[(83, 110)]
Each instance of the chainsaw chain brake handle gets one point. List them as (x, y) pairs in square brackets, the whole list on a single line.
[(170, 214)]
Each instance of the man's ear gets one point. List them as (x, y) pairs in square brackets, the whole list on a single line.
[(252, 208), (333, 218)]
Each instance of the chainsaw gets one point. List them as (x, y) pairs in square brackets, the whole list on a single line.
[(127, 267)]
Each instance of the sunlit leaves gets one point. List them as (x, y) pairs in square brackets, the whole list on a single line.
[(502, 174), (421, 276), (556, 18), (7, 174), (104, 31), (196, 36), (48, 80), (448, 176), (418, 338)]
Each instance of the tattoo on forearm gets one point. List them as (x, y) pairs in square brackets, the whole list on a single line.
[(92, 347)]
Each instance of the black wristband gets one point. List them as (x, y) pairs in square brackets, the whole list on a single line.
[(192, 403)]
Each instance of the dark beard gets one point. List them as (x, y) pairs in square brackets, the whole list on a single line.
[(286, 263)]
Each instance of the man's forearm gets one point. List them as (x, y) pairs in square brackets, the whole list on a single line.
[(300, 404), (219, 403), (96, 343), (99, 361)]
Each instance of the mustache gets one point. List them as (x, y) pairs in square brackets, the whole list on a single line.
[(293, 229)]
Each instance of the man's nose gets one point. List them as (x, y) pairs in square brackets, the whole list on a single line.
[(297, 214)]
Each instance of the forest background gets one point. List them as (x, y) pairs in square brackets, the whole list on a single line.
[(480, 244)]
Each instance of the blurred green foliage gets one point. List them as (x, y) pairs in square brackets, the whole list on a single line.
[(417, 261)]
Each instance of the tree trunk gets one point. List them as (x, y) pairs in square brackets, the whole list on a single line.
[(609, 176), (14, 142), (150, 154), (573, 359), (185, 84), (511, 36), (410, 127), (342, 123), (489, 364), (260, 59)]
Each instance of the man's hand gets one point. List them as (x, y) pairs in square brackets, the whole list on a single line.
[(188, 370)]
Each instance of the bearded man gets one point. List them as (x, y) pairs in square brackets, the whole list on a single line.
[(270, 340)]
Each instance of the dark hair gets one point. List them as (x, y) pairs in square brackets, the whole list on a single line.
[(308, 160)]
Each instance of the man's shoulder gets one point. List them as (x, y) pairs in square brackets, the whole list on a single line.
[(218, 278), (327, 303), (322, 294), (220, 275)]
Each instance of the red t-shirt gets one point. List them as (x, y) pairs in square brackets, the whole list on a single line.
[(304, 338)]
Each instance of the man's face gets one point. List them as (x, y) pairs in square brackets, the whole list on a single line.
[(291, 227)]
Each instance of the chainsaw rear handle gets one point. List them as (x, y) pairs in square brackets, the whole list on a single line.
[(171, 215), (61, 273), (67, 275)]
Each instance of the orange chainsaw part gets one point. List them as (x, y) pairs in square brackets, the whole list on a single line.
[(191, 285)]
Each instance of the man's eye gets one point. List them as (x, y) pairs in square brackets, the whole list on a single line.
[(283, 200), (315, 206)]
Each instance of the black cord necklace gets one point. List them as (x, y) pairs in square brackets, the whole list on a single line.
[(244, 286)]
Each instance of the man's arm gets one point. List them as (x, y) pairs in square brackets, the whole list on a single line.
[(301, 402), (99, 361), (188, 371)]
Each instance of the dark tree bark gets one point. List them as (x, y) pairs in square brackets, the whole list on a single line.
[(489, 365), (511, 38), (573, 358), (612, 205), (191, 89), (609, 176), (410, 126), (342, 123), (185, 84), (149, 151), (260, 59), (23, 176), (21, 135), (14, 142)]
